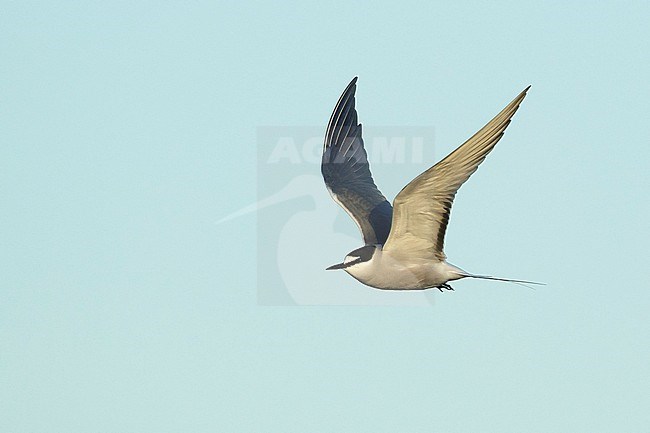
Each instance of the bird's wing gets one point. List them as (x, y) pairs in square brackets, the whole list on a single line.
[(422, 208), (347, 175)]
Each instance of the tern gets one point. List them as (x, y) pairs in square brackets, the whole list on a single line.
[(404, 242)]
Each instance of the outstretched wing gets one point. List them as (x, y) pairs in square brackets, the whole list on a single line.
[(422, 208), (347, 175)]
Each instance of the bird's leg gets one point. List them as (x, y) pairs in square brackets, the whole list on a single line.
[(444, 286)]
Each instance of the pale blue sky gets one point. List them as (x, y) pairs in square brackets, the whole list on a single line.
[(129, 129)]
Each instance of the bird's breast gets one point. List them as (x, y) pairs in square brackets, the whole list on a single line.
[(389, 273)]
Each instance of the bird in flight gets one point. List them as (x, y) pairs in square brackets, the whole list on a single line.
[(404, 242)]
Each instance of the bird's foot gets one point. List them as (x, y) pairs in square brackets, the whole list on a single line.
[(444, 286)]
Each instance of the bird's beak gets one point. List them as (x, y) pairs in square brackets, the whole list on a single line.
[(335, 267)]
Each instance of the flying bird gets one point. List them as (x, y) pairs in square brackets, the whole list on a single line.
[(404, 242)]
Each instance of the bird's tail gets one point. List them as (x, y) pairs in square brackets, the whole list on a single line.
[(507, 280)]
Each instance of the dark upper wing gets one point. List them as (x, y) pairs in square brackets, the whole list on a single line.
[(347, 175)]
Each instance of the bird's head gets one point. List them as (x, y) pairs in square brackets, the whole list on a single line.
[(360, 255)]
